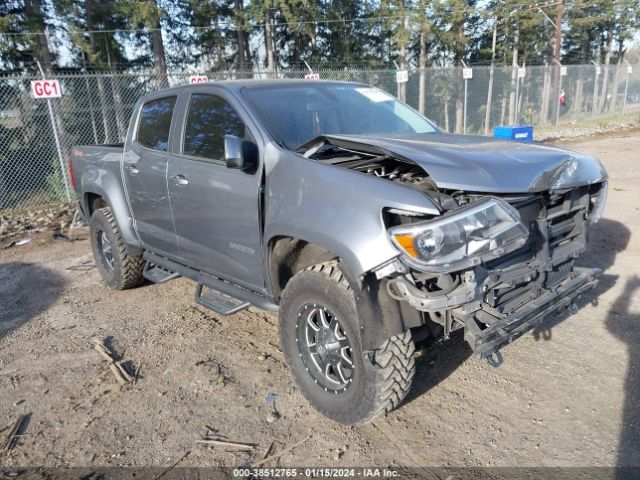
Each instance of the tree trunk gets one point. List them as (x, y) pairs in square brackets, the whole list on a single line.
[(268, 41), (422, 65), (460, 82), (89, 95), (106, 125), (459, 101), (446, 115), (546, 92), (557, 69), (157, 45), (616, 79), (43, 55), (422, 60), (594, 102), (603, 104), (402, 56), (576, 105), (487, 113), (117, 100), (240, 64)]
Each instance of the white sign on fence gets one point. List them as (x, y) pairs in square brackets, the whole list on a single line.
[(522, 72), (402, 76), (46, 89), (467, 73), (598, 70), (629, 69), (198, 79), (563, 71)]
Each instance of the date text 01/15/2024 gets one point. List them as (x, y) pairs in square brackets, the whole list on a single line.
[(316, 472)]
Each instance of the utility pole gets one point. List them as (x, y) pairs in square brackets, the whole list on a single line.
[(559, 14), (556, 58)]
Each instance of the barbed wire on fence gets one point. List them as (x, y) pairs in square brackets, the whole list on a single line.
[(96, 107)]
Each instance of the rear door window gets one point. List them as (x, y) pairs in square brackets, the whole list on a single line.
[(155, 123), (209, 119)]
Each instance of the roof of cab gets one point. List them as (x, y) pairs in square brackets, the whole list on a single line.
[(254, 83)]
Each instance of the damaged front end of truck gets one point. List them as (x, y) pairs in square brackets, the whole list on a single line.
[(502, 254)]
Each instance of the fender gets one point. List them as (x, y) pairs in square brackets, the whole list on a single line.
[(337, 209), (340, 211), (102, 177)]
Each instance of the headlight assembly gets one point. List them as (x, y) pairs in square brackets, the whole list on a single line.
[(597, 203), (486, 229)]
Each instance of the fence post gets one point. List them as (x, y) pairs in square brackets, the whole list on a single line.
[(594, 106), (63, 170), (517, 109), (626, 87), (465, 76), (557, 99)]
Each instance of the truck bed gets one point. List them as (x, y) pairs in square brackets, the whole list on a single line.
[(101, 147)]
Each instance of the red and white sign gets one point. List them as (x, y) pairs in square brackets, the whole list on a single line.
[(46, 89), (198, 79), (312, 76)]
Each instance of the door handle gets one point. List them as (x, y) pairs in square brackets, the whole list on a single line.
[(132, 169), (180, 180)]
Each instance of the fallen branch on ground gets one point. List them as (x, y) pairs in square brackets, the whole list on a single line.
[(282, 452), (116, 366), (10, 439), (224, 443)]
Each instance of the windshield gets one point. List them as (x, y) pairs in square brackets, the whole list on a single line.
[(298, 113)]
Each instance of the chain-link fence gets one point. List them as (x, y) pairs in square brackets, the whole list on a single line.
[(36, 135)]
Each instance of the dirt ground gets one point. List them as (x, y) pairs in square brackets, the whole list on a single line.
[(568, 394)]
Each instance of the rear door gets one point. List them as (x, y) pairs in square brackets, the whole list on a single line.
[(215, 209), (145, 175)]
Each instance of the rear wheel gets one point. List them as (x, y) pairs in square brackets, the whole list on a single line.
[(319, 333), (117, 269)]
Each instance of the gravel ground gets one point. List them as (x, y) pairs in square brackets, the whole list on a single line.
[(568, 394)]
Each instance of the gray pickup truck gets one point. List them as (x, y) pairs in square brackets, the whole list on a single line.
[(350, 214)]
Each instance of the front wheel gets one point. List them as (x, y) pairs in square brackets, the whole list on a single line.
[(319, 333)]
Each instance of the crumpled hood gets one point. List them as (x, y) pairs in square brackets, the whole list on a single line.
[(484, 164)]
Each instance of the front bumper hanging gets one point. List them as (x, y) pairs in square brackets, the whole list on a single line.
[(488, 341)]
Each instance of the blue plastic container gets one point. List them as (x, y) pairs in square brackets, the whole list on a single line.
[(521, 133)]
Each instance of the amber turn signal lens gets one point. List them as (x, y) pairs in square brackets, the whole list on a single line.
[(406, 242)]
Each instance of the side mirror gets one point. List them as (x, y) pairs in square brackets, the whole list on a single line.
[(240, 153)]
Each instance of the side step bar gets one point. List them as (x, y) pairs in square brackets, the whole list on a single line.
[(157, 273), (221, 296), (218, 302)]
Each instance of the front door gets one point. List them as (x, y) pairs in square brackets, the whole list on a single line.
[(145, 175), (215, 209)]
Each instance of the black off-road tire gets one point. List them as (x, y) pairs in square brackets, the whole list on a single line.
[(380, 379), (123, 271)]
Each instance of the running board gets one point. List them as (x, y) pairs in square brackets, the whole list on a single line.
[(218, 302), (157, 273), (216, 285)]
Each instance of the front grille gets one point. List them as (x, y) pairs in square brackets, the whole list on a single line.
[(558, 274), (557, 233)]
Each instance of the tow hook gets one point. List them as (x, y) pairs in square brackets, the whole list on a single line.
[(572, 308), (495, 359)]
